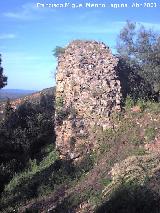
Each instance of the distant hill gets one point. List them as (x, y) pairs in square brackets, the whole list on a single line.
[(14, 93), (30, 95)]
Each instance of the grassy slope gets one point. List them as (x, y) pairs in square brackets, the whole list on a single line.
[(97, 183)]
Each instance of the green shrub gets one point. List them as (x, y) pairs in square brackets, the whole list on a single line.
[(41, 179), (58, 51), (129, 103), (139, 151), (59, 102), (150, 133), (142, 104), (33, 168), (135, 140), (105, 181), (153, 107)]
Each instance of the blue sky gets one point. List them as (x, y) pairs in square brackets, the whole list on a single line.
[(28, 34)]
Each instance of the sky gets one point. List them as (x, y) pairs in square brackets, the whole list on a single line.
[(30, 31)]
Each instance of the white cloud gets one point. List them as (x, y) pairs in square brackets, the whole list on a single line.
[(149, 25), (28, 11), (7, 36), (90, 15), (107, 28), (91, 28), (21, 56), (28, 60)]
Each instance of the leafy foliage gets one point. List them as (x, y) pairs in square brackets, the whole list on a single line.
[(58, 51), (139, 49), (23, 133)]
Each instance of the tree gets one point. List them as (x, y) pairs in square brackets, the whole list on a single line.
[(140, 48), (24, 133), (131, 82), (8, 109), (3, 78), (58, 51), (9, 116)]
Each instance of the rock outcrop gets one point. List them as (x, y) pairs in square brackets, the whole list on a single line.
[(88, 91)]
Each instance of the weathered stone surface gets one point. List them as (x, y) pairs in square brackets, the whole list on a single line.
[(88, 91)]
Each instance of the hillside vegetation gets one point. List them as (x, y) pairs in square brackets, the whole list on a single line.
[(26, 128), (121, 175)]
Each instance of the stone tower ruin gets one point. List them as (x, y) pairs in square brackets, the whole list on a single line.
[(88, 91)]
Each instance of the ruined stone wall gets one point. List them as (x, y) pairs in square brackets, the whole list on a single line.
[(87, 92)]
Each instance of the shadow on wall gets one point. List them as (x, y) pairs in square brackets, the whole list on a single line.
[(132, 199)]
